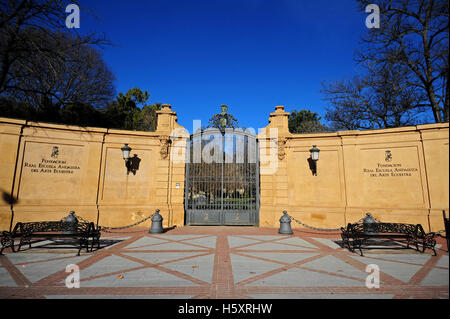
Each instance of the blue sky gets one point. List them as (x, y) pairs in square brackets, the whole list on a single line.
[(249, 54)]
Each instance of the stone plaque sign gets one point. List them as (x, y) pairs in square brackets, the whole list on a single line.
[(51, 171)]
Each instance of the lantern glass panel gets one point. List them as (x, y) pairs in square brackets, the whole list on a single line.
[(126, 151)]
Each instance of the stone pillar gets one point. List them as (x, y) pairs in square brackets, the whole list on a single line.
[(171, 167), (273, 142)]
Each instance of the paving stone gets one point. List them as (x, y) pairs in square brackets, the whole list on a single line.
[(173, 246), (296, 277), (234, 241), (159, 257), (209, 242), (147, 277), (265, 237), (283, 257), (247, 267), (443, 262), (145, 243), (274, 246), (334, 265), (436, 277), (115, 238), (198, 267), (25, 257), (177, 237), (108, 265), (408, 258), (5, 278), (109, 244), (296, 241), (37, 271), (328, 242), (400, 271)]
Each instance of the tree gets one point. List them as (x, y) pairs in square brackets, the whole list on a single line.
[(147, 119), (63, 72), (304, 121), (82, 114), (413, 35), (130, 112), (18, 44), (382, 98), (19, 110)]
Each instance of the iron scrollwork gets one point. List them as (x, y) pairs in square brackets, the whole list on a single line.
[(356, 236)]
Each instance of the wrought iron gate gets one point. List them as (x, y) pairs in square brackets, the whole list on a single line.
[(222, 178)]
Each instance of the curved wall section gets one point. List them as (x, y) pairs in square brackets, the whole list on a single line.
[(399, 175)]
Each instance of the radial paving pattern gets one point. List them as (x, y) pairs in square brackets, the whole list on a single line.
[(222, 262)]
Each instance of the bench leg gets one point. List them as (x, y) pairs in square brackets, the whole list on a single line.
[(426, 245), (345, 241), (351, 245), (95, 241), (83, 242), (80, 247), (7, 240), (359, 247), (434, 251)]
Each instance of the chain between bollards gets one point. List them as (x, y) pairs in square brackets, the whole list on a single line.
[(105, 229), (284, 229)]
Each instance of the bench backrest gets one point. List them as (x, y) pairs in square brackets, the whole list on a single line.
[(392, 228), (52, 226)]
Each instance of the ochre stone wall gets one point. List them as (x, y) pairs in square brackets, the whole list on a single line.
[(49, 170), (399, 175)]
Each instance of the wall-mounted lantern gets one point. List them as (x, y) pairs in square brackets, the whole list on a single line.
[(126, 156), (314, 158)]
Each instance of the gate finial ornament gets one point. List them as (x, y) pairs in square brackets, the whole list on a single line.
[(223, 116)]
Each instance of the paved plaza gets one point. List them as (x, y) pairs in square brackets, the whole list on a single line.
[(222, 263)]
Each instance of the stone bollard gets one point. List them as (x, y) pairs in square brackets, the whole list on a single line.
[(156, 227), (369, 224), (70, 224), (285, 225)]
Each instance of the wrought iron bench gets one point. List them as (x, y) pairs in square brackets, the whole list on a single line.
[(84, 233), (358, 235)]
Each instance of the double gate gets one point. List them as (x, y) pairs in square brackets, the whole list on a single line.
[(222, 178)]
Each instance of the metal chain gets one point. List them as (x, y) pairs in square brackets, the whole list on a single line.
[(313, 228), (104, 228), (325, 229), (438, 233)]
